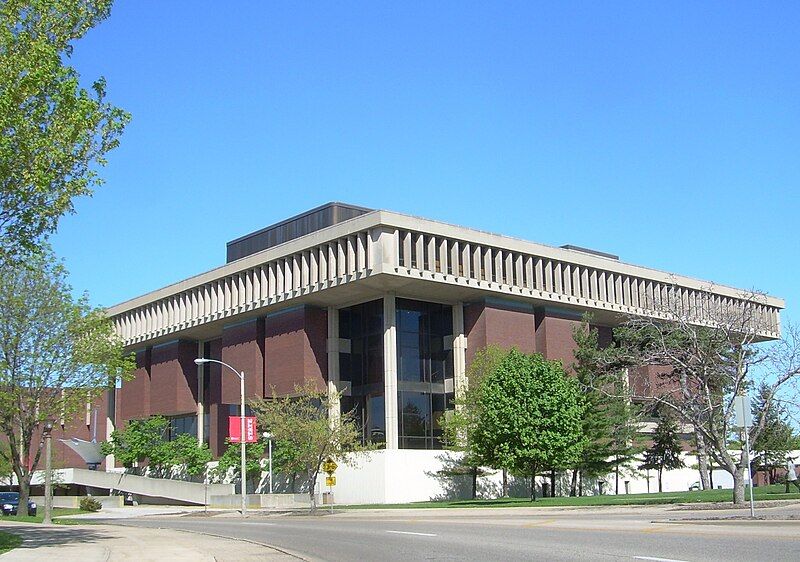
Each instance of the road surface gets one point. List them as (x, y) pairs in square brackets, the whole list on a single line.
[(631, 533)]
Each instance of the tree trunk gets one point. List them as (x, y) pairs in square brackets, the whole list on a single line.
[(580, 484), (573, 488), (616, 477), (312, 486), (738, 485), (24, 495), (474, 482), (552, 482), (702, 461), (505, 483), (660, 489), (533, 483)]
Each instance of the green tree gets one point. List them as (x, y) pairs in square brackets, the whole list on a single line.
[(285, 461), (776, 439), (56, 354), (665, 451), (302, 423), (54, 132), (141, 442), (530, 416), (184, 451), (610, 421), (146, 441), (460, 424), (5, 464), (230, 462)]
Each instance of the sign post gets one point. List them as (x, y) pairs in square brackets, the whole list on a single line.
[(330, 466), (744, 420)]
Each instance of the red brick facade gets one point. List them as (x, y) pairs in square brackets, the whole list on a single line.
[(243, 348), (135, 400), (173, 378), (493, 324), (554, 336), (284, 349), (543, 331), (296, 349)]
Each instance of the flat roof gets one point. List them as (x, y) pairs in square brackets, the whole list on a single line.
[(294, 227)]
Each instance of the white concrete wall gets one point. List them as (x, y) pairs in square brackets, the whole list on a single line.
[(391, 476), (361, 482), (402, 475)]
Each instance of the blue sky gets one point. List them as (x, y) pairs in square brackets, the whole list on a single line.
[(667, 134)]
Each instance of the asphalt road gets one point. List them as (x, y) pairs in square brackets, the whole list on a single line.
[(504, 534)]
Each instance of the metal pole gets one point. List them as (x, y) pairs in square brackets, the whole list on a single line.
[(749, 471), (270, 464), (244, 458), (48, 484)]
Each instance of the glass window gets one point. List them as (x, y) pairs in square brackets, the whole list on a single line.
[(423, 365), (182, 424), (363, 367), (376, 419)]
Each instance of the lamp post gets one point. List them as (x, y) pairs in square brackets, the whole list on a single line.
[(48, 477), (200, 361), (268, 437)]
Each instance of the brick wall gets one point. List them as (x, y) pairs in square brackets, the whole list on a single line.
[(243, 349), (173, 379), (295, 349)]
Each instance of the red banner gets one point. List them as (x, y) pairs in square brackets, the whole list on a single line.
[(235, 429)]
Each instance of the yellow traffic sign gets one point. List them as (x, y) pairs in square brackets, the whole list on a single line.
[(329, 466), (330, 481)]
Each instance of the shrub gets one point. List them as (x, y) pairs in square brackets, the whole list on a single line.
[(90, 504)]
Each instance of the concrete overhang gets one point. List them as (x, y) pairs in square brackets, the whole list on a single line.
[(374, 253)]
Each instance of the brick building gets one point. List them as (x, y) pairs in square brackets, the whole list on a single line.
[(385, 307)]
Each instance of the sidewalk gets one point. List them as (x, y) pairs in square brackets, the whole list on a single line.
[(99, 543)]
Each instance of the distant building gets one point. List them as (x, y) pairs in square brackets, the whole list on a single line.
[(388, 308)]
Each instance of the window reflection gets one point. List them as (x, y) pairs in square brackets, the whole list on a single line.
[(425, 371), (362, 367)]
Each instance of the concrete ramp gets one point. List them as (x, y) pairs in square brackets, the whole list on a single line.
[(176, 490)]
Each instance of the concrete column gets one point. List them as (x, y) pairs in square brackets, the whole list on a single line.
[(390, 370), (111, 416), (201, 407), (334, 409), (384, 252), (459, 350)]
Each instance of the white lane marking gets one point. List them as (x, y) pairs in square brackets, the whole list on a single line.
[(657, 559), (410, 533)]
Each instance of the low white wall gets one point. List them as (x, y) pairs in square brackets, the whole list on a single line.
[(74, 501), (401, 476)]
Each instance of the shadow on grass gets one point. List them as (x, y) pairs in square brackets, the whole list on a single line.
[(9, 541), (34, 536)]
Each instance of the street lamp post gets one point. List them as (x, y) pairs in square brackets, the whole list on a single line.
[(48, 477), (243, 468), (268, 437)]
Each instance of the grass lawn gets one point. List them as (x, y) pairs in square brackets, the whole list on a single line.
[(774, 492), (9, 541), (57, 512)]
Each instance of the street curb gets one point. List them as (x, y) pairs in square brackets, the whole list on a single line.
[(727, 521), (265, 545)]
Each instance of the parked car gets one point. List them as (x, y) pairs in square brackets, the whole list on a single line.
[(695, 487), (10, 502)]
